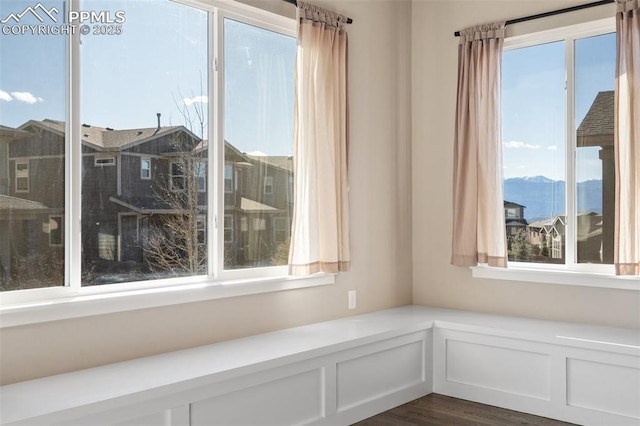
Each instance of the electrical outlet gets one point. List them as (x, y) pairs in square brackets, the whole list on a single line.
[(352, 299)]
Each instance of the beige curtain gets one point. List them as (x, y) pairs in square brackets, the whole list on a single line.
[(627, 139), (478, 209), (320, 230)]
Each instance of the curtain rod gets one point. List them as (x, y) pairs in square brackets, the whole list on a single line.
[(552, 13), (295, 3)]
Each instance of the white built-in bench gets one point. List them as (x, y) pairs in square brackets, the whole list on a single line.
[(342, 371)]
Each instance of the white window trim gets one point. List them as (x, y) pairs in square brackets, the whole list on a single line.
[(527, 273), (587, 275), (91, 301), (142, 160), (39, 305)]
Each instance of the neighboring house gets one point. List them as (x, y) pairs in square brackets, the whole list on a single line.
[(129, 182), (549, 237), (31, 214), (589, 230), (514, 218), (596, 130)]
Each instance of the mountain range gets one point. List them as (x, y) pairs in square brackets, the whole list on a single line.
[(545, 198)]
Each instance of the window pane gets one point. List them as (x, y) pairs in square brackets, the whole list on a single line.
[(144, 101), (533, 117), (258, 130), (32, 149), (595, 163)]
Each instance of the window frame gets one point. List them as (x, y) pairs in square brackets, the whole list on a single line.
[(52, 303), (144, 159), (201, 166), (97, 161), (173, 176), (229, 179), (268, 183), (61, 223), (228, 226), (280, 225), (18, 175), (570, 273)]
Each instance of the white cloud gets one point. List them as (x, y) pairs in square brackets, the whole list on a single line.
[(518, 144), (4, 96), (26, 97), (552, 148), (257, 153), (196, 100)]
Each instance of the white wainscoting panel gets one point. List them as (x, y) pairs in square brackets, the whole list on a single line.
[(297, 399), (498, 368), (604, 387), (340, 372), (380, 373)]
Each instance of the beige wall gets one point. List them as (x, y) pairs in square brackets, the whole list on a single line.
[(435, 281), (402, 65), (380, 233)]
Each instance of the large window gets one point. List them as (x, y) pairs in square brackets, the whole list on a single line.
[(259, 65), (558, 111), (32, 151), (140, 79)]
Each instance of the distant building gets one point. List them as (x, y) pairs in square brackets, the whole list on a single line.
[(514, 218), (548, 237), (124, 176), (596, 130)]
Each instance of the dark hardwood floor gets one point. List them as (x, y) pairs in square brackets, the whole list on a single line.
[(437, 410)]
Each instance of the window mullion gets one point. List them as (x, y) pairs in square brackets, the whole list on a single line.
[(73, 163), (570, 180), (216, 149)]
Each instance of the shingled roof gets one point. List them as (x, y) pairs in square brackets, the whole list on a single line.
[(107, 138), (597, 126), (20, 204), (283, 162)]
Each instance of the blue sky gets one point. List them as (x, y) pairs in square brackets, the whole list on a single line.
[(158, 64), (534, 106)]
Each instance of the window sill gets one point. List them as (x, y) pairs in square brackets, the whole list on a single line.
[(83, 305), (549, 276)]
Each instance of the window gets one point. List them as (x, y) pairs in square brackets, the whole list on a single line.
[(22, 176), (176, 178), (151, 217), (55, 231), (557, 106), (201, 175), (32, 155), (202, 230), (228, 228), (258, 121), (511, 213), (145, 168), (281, 228), (228, 178), (268, 185), (104, 161)]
